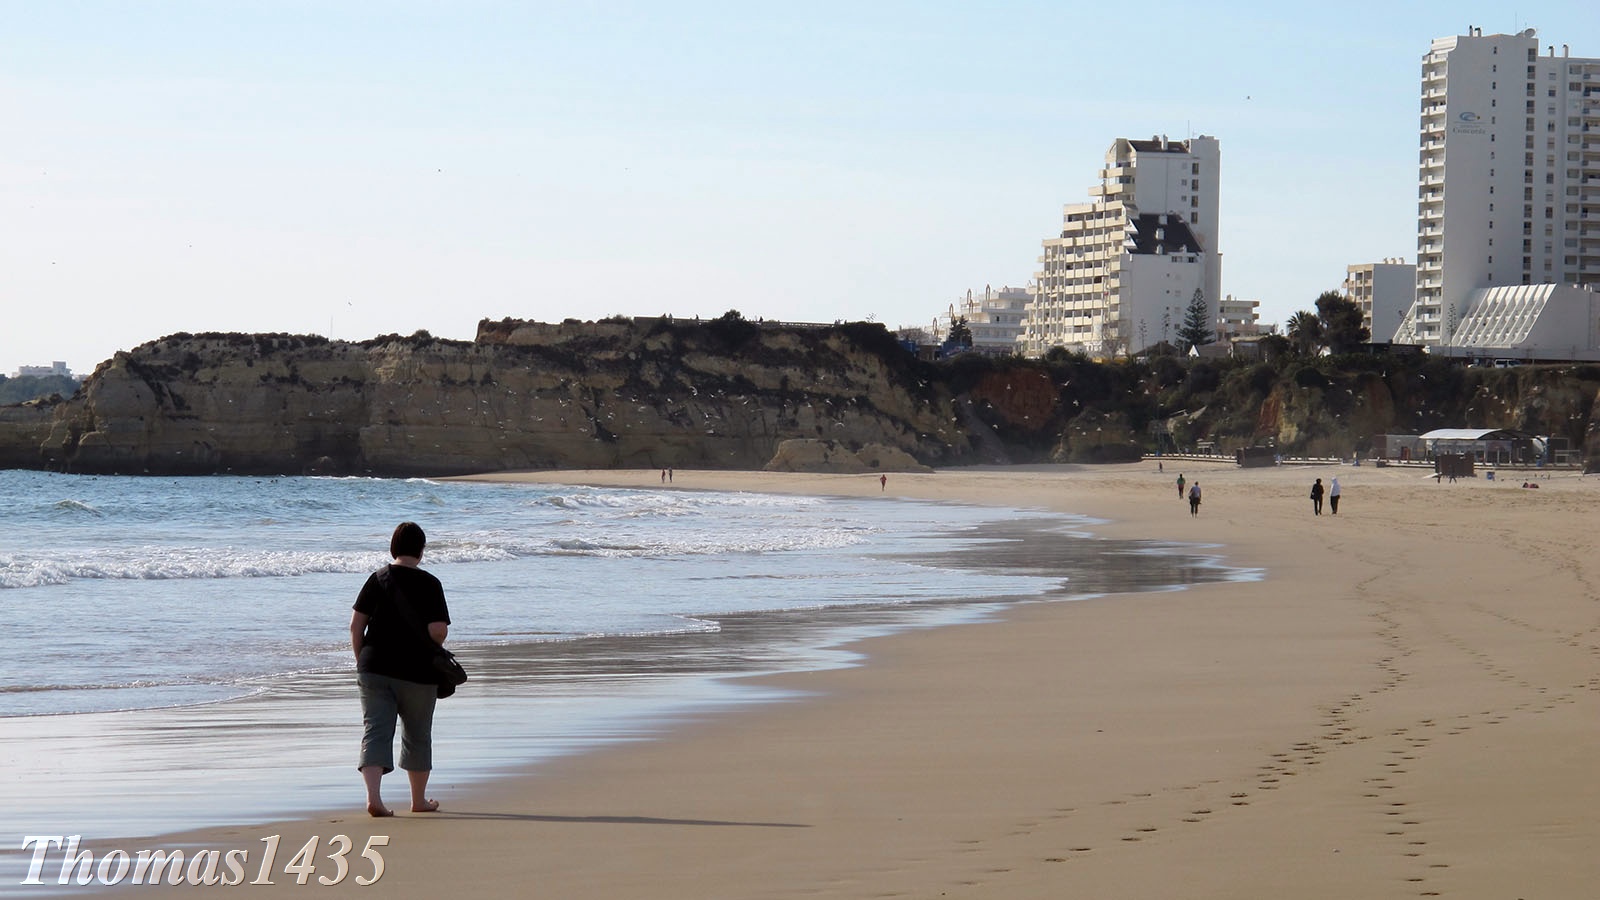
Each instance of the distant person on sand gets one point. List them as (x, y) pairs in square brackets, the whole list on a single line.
[(1194, 499), (1180, 485), (883, 483), (394, 667), (1333, 495), (1316, 498)]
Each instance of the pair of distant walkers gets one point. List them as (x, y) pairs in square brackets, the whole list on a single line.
[(1317, 492), (1193, 495)]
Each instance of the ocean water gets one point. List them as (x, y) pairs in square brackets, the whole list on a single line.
[(128, 593), (172, 634)]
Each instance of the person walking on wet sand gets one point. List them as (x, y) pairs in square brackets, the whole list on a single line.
[(399, 620), (1316, 498), (1194, 499), (883, 483), (1180, 485)]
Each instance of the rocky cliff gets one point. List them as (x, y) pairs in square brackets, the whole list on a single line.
[(649, 393), (729, 393)]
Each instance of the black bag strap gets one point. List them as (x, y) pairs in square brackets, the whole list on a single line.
[(401, 603)]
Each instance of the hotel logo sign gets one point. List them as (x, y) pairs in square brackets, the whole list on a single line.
[(1468, 123)]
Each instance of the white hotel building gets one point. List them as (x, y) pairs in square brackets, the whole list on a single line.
[(1238, 317), (994, 317), (1126, 265), (1384, 291), (1508, 189)]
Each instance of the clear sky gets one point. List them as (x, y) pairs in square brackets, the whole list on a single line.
[(360, 168)]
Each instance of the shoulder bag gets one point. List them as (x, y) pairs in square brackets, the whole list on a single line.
[(446, 668)]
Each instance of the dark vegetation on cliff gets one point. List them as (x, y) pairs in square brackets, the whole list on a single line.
[(24, 388), (727, 392), (1311, 406)]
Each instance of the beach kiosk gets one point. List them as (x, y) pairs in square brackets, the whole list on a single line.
[(1484, 446)]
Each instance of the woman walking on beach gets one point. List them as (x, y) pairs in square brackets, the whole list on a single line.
[(394, 667), (1194, 499), (1180, 485), (1316, 498), (1333, 496)]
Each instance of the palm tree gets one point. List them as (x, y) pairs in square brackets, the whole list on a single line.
[(1305, 330)]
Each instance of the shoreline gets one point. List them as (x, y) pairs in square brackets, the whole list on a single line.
[(644, 683), (613, 687), (1403, 707)]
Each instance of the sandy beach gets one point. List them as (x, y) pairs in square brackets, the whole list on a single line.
[(1406, 705)]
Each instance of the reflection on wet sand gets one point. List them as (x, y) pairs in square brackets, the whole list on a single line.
[(290, 748)]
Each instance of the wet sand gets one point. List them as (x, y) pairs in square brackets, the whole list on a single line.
[(1408, 704)]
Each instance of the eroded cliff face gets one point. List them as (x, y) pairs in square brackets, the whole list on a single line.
[(640, 394), (1319, 415), (24, 429), (728, 393)]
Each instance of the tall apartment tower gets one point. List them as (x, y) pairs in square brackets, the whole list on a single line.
[(1509, 174), (1127, 264)]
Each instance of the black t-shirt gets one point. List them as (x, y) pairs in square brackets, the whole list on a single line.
[(396, 642)]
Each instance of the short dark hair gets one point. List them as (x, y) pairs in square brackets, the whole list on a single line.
[(408, 540)]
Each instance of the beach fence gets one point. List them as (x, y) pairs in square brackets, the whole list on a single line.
[(1257, 458)]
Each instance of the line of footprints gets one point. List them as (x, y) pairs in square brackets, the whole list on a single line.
[(1399, 748)]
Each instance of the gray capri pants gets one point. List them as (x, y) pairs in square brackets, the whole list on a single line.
[(383, 699)]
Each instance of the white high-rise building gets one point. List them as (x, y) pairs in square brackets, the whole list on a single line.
[(1127, 264), (1509, 177), (1384, 291)]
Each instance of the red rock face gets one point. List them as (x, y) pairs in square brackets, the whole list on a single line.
[(1021, 398)]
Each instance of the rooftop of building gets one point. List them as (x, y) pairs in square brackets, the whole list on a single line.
[(1159, 145), (1161, 233)]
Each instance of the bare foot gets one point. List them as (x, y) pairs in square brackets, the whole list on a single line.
[(378, 810), (425, 806)]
